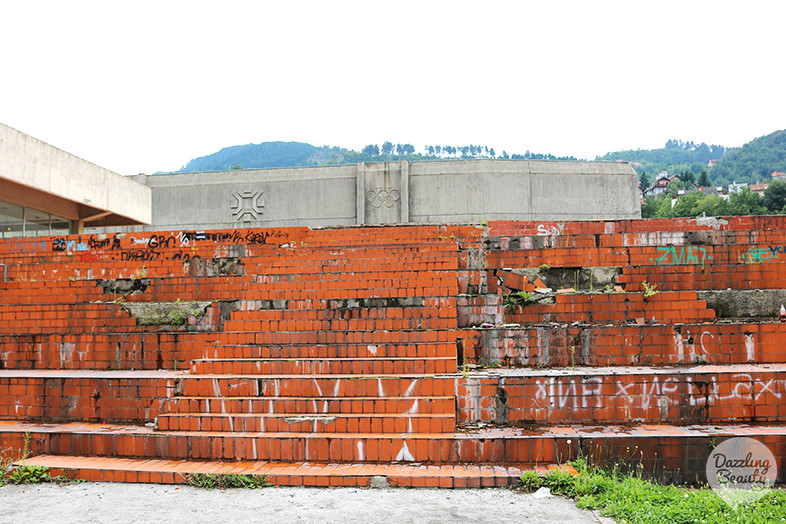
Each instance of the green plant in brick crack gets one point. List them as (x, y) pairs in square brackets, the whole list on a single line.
[(226, 480), (179, 318), (513, 301), (650, 290), (67, 479)]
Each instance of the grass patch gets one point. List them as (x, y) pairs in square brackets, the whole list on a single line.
[(629, 499), (224, 481)]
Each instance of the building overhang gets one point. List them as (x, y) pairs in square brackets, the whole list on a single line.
[(37, 175)]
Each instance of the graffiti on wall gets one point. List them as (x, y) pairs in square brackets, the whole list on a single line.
[(26, 245), (646, 391), (137, 247), (757, 255), (547, 230), (671, 255)]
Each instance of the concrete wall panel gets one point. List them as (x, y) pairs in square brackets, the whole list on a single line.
[(390, 192), (254, 198)]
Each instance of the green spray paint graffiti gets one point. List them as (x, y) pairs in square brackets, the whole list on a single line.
[(757, 255), (685, 255)]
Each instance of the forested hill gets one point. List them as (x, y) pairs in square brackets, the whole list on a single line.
[(264, 155), (298, 154), (677, 156), (753, 162)]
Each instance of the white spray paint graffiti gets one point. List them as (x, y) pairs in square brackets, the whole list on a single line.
[(681, 342), (658, 391), (549, 230)]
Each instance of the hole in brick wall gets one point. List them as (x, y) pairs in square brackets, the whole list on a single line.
[(501, 406), (230, 266), (124, 286)]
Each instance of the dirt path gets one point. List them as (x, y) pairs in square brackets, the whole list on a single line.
[(106, 502)]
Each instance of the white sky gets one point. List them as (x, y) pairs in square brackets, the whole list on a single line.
[(146, 86)]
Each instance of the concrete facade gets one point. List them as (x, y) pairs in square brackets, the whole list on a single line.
[(37, 175), (395, 192)]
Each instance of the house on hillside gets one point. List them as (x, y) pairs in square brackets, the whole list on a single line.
[(759, 189), (778, 175), (661, 184)]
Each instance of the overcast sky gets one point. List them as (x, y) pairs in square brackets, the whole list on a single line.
[(146, 86)]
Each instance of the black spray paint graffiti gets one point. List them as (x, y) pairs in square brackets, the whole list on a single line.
[(140, 254), (156, 242), (162, 241), (182, 255), (236, 237), (104, 243)]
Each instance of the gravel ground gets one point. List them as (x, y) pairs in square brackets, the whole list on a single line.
[(107, 502)]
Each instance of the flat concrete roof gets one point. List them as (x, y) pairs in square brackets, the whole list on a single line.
[(37, 175)]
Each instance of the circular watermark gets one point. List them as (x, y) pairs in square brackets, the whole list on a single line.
[(741, 470)]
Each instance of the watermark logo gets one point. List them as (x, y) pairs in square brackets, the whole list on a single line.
[(741, 470)]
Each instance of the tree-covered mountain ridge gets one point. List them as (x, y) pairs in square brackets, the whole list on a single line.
[(268, 155), (752, 162)]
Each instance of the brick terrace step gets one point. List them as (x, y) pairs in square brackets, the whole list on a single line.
[(103, 351), (314, 405), (619, 395), (376, 423), (550, 345), (323, 351), (680, 452), (326, 366), (102, 469)]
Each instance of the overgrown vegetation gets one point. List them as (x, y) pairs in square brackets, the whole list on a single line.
[(5, 467), (24, 473), (752, 162), (629, 499), (676, 156), (744, 202), (224, 481), (513, 301)]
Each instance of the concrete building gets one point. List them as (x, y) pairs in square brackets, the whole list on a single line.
[(44, 190), (395, 192)]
